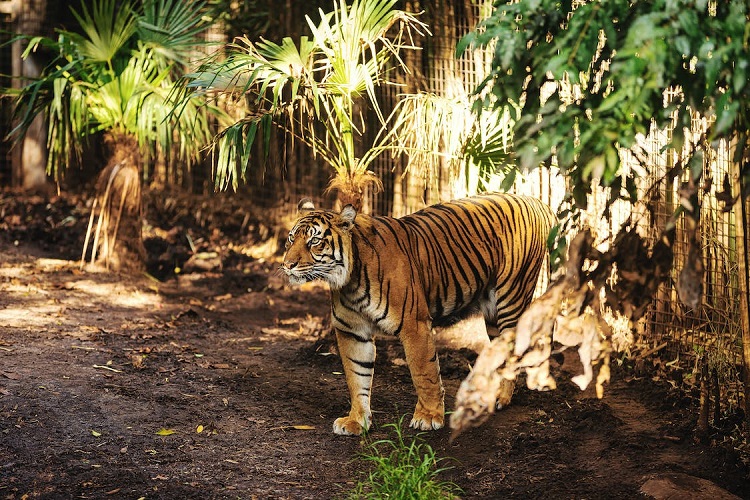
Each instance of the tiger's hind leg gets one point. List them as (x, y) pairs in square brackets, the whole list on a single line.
[(358, 357), (509, 305)]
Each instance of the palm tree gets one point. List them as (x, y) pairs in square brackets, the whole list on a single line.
[(113, 82), (313, 89)]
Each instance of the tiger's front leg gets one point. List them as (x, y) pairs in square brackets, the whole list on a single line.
[(358, 357), (422, 358)]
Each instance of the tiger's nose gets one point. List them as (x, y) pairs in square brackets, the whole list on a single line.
[(290, 265)]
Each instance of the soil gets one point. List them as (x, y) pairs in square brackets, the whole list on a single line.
[(218, 380)]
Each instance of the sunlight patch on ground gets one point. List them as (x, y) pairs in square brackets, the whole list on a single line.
[(119, 295), (25, 290), (56, 264), (13, 272), (69, 293), (28, 316)]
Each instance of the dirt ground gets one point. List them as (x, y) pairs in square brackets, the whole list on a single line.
[(219, 381)]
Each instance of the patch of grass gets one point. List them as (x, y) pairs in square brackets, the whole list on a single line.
[(402, 469)]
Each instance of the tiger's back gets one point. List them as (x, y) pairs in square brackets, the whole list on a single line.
[(404, 276), (477, 254)]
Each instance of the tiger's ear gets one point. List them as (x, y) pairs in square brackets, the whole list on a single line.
[(305, 205), (347, 215)]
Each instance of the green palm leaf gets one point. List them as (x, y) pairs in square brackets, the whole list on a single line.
[(107, 29), (171, 27)]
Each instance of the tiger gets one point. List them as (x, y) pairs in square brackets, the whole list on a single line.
[(404, 276)]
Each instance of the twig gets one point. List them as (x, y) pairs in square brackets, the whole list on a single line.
[(88, 233), (652, 351), (107, 368)]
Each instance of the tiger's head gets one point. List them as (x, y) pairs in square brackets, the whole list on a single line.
[(318, 246)]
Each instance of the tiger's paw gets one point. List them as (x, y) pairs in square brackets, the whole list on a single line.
[(424, 420), (348, 426)]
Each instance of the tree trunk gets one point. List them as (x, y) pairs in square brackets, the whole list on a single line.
[(34, 158), (30, 162), (34, 146), (117, 241)]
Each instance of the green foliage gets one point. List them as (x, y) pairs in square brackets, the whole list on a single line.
[(608, 64), (436, 131), (116, 76), (307, 85), (402, 469)]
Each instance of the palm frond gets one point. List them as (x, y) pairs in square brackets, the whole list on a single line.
[(107, 29), (428, 128), (232, 147), (171, 28), (259, 68), (326, 76), (68, 117), (434, 131)]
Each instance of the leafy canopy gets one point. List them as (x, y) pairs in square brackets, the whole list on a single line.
[(607, 65), (116, 75)]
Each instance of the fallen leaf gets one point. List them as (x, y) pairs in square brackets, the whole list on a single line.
[(303, 427), (95, 434), (165, 432), (199, 429), (137, 360)]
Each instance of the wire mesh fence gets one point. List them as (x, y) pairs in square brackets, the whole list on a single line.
[(712, 332)]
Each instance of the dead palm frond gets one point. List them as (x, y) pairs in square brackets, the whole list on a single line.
[(119, 194)]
